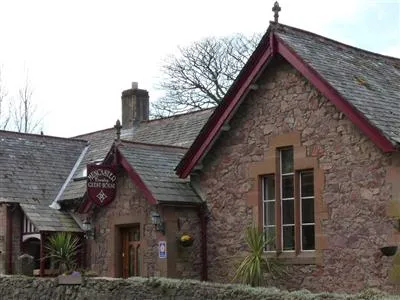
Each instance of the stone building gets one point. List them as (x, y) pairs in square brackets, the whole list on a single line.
[(304, 145)]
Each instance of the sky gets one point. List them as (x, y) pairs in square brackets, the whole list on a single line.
[(80, 55)]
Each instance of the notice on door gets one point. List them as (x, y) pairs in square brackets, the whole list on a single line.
[(162, 249)]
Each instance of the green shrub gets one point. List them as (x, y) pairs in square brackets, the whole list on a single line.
[(63, 248), (251, 270)]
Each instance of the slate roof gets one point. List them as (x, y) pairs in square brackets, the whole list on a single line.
[(33, 168), (48, 219), (370, 82), (366, 84), (155, 166), (179, 130), (100, 143)]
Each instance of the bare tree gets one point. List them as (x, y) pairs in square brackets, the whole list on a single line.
[(200, 75), (24, 110), (5, 112)]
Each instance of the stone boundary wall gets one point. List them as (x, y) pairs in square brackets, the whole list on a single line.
[(19, 287)]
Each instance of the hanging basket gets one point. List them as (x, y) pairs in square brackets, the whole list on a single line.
[(186, 240)]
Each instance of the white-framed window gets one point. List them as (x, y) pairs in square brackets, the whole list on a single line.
[(287, 197), (307, 218), (288, 206), (268, 195)]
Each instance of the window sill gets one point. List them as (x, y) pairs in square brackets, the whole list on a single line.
[(290, 258)]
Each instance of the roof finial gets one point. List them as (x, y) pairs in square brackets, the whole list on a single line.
[(276, 9), (118, 127)]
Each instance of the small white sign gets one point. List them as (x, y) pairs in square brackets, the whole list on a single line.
[(162, 249)]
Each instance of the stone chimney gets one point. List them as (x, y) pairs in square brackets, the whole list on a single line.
[(135, 106)]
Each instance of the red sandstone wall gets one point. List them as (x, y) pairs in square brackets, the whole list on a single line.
[(130, 207), (188, 260), (355, 191)]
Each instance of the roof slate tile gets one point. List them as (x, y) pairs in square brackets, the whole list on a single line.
[(370, 82), (34, 167), (48, 219), (155, 165)]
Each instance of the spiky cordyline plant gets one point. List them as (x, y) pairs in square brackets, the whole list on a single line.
[(251, 270), (63, 248)]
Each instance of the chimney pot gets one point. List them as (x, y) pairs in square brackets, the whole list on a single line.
[(135, 85)]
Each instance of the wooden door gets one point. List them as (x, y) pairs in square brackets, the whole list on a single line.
[(131, 252)]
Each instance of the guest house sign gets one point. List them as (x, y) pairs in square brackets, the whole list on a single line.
[(101, 184)]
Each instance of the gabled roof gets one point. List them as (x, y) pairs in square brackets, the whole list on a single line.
[(100, 143), (33, 168), (179, 130), (365, 86), (370, 82), (152, 169)]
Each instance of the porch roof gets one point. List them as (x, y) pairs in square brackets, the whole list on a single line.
[(48, 219)]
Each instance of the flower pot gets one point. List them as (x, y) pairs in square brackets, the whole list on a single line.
[(389, 250), (185, 240), (187, 243)]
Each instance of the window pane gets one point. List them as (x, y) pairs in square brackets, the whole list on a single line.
[(287, 160), (287, 186), (288, 237), (269, 213), (270, 239), (288, 211), (307, 184), (308, 237), (307, 210), (269, 187)]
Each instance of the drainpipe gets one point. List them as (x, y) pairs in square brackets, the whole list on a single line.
[(42, 253), (9, 238), (203, 231)]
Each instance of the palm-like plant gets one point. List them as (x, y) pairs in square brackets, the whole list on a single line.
[(63, 248), (251, 270)]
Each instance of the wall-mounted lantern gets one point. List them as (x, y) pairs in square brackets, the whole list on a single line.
[(88, 229), (389, 250), (157, 222)]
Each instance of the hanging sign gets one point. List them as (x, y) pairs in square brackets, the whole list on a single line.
[(162, 249), (101, 184)]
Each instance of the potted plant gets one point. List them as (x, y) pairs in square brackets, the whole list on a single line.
[(63, 248), (186, 240)]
